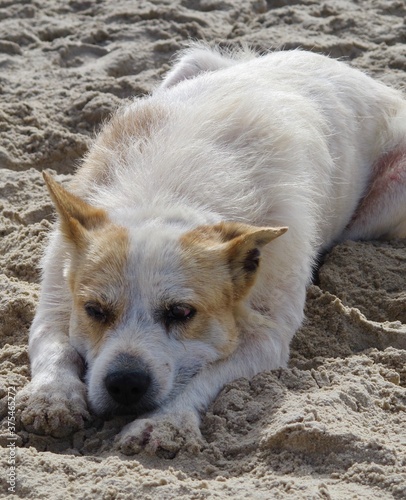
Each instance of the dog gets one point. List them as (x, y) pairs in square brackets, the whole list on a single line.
[(186, 240)]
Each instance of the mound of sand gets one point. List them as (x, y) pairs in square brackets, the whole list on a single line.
[(333, 424)]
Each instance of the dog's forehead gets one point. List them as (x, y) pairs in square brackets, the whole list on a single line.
[(164, 263), (155, 264)]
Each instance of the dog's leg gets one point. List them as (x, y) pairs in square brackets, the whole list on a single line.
[(54, 401)]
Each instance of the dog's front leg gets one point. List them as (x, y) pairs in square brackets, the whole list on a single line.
[(54, 402), (176, 424)]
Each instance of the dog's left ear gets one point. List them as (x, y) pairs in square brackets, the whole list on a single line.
[(77, 217), (243, 249)]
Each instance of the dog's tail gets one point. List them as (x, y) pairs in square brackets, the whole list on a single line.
[(199, 58)]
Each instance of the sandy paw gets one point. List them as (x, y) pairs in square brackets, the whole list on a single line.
[(162, 435), (53, 409)]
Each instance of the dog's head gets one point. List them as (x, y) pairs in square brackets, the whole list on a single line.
[(152, 305)]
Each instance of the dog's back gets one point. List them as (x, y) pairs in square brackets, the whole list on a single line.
[(254, 139)]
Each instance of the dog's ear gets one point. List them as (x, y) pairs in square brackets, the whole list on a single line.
[(77, 216), (243, 245)]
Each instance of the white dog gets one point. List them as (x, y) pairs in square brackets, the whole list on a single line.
[(170, 272)]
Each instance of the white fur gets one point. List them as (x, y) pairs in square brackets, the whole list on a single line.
[(287, 139)]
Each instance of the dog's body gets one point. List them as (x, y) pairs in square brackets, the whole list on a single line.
[(153, 274)]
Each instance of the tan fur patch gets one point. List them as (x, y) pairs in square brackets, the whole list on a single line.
[(76, 216), (207, 271), (216, 261), (125, 126), (97, 277), (97, 262), (233, 241)]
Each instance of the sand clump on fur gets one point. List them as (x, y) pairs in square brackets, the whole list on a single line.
[(331, 424)]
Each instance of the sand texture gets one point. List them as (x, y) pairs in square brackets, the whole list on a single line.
[(332, 425)]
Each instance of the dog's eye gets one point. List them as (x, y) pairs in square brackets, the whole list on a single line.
[(179, 313), (96, 312)]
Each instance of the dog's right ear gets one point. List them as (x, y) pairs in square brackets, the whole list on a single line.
[(76, 215), (243, 245)]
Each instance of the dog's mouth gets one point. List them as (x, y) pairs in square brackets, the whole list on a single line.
[(137, 411), (183, 376)]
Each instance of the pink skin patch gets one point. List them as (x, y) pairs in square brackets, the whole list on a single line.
[(391, 166), (389, 174), (146, 435)]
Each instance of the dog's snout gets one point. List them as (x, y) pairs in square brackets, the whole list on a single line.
[(127, 387)]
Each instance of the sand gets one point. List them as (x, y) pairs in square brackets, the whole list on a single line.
[(333, 424)]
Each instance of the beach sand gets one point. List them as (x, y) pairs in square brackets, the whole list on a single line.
[(333, 424)]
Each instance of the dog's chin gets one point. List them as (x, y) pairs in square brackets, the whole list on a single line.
[(112, 409)]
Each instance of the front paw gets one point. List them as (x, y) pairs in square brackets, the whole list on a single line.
[(56, 408), (163, 434)]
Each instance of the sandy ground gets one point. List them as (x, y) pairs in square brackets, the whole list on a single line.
[(333, 424)]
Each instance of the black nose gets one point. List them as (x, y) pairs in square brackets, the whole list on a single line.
[(127, 388)]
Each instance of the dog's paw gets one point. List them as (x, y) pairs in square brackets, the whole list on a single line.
[(162, 434), (57, 409)]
